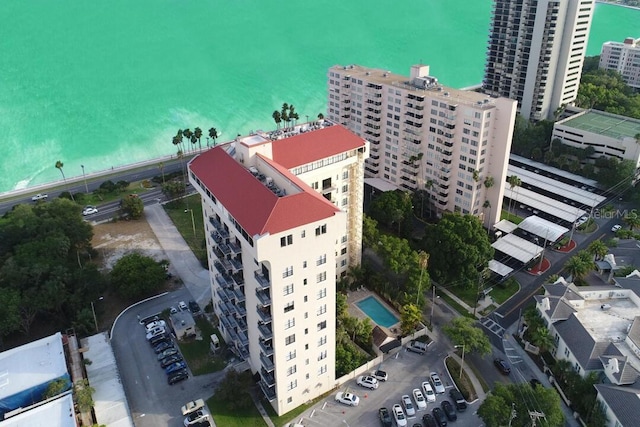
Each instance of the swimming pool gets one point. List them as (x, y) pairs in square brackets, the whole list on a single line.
[(377, 312)]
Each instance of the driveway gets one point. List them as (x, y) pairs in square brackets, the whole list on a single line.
[(152, 401)]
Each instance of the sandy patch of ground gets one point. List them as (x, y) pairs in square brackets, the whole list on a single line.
[(112, 240)]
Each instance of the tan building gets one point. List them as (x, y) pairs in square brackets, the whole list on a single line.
[(425, 135), (283, 216), (624, 58), (536, 52)]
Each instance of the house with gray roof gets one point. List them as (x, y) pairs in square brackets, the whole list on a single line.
[(621, 404)]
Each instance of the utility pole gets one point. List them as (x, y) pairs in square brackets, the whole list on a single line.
[(535, 416), (424, 259), (433, 302), (513, 413)]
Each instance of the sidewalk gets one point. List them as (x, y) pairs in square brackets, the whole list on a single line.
[(482, 304), (183, 261)]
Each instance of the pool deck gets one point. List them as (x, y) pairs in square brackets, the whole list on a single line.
[(356, 296)]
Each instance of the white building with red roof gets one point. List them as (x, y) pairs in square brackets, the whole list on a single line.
[(283, 216)]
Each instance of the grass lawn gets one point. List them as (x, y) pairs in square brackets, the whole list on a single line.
[(500, 294), (225, 417), (198, 353), (463, 383), (511, 217), (133, 188), (453, 304), (291, 415), (185, 223)]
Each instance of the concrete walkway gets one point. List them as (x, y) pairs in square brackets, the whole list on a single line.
[(183, 261)]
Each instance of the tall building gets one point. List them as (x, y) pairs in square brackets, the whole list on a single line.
[(624, 58), (283, 218), (453, 143), (536, 51)]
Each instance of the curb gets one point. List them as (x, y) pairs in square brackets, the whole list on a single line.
[(131, 306), (453, 382)]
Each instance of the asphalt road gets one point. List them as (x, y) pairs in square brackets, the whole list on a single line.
[(152, 401)]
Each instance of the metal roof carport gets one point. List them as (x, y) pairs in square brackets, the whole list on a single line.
[(562, 189), (505, 226), (545, 204), (543, 228), (568, 175), (499, 268), (517, 247)]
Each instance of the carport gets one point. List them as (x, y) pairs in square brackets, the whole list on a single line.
[(517, 248), (499, 268), (505, 226), (542, 228), (544, 204)]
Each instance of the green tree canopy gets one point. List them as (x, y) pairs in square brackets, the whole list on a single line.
[(511, 405), (394, 209), (135, 275), (410, 318), (132, 205), (458, 248), (462, 331)]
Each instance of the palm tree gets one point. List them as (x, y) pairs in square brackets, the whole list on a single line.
[(598, 249), (541, 338), (198, 134), (632, 220), (177, 140), (213, 134), (283, 113), (514, 181), (277, 117), (320, 116), (161, 167), (578, 267), (59, 166), (428, 186), (488, 182), (487, 205), (187, 134)]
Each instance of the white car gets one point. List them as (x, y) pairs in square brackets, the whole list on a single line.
[(367, 382), (347, 399), (616, 228), (196, 417), (156, 324), (380, 375), (421, 402), (398, 414), (183, 306), (89, 210), (428, 391), (39, 196), (437, 384), (407, 404), (158, 330)]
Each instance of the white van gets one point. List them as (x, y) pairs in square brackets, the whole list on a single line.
[(417, 347), (192, 406)]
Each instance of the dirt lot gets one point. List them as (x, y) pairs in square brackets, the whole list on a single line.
[(112, 240)]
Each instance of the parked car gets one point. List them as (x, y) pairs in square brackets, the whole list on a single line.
[(178, 366), (436, 383), (421, 402), (349, 399), (439, 416), (417, 347), (407, 404), (183, 306), (194, 307), (192, 406), (170, 360), (158, 339), (502, 366), (173, 310), (89, 210), (429, 394), (380, 375), (534, 382), (168, 352), (177, 377), (155, 332), (458, 399), (156, 323), (196, 417), (429, 421), (367, 382), (399, 416), (448, 410), (385, 417), (163, 346), (616, 228), (39, 196)]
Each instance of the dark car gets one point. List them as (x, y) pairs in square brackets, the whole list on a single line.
[(168, 352), (534, 382), (158, 339), (502, 366), (429, 421), (439, 416), (170, 360), (385, 417), (194, 307), (447, 407), (175, 367), (177, 377), (163, 346), (458, 399)]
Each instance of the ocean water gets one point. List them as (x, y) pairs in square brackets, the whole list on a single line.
[(102, 84)]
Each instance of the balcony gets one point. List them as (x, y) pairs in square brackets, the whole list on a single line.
[(222, 281), (263, 297), (268, 378), (238, 278), (242, 324), (217, 238), (267, 363), (240, 310), (265, 331), (230, 325), (244, 340), (218, 226), (222, 294), (264, 314), (235, 247), (263, 281), (236, 265), (266, 347), (237, 294)]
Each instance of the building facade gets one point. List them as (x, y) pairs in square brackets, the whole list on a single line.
[(624, 58), (536, 52), (454, 144), (283, 217)]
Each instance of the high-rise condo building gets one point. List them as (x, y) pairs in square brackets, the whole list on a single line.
[(283, 221), (536, 51), (454, 144), (624, 58)]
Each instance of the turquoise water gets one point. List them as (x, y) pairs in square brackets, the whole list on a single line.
[(102, 84), (377, 312)]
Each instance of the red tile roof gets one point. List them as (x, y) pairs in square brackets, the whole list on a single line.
[(311, 146), (251, 203)]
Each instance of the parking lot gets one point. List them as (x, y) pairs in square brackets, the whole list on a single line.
[(406, 372)]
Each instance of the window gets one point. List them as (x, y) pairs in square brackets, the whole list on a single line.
[(321, 230), (322, 277), (322, 293), (322, 310), (343, 251), (303, 234), (322, 369), (290, 339), (322, 325), (322, 341), (291, 370), (293, 384), (288, 307), (306, 298), (323, 355), (290, 323), (286, 240), (289, 399), (287, 272), (288, 289), (306, 331), (322, 259), (291, 355)]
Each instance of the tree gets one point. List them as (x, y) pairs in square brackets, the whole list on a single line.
[(161, 167), (277, 117), (174, 189), (458, 248), (55, 387), (579, 265), (598, 249), (462, 331), (516, 182), (135, 275), (632, 220), (198, 134), (369, 231), (410, 318), (187, 134), (510, 405), (10, 313), (393, 207), (213, 134), (83, 394), (283, 113), (234, 391), (59, 166), (541, 338), (132, 206)]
